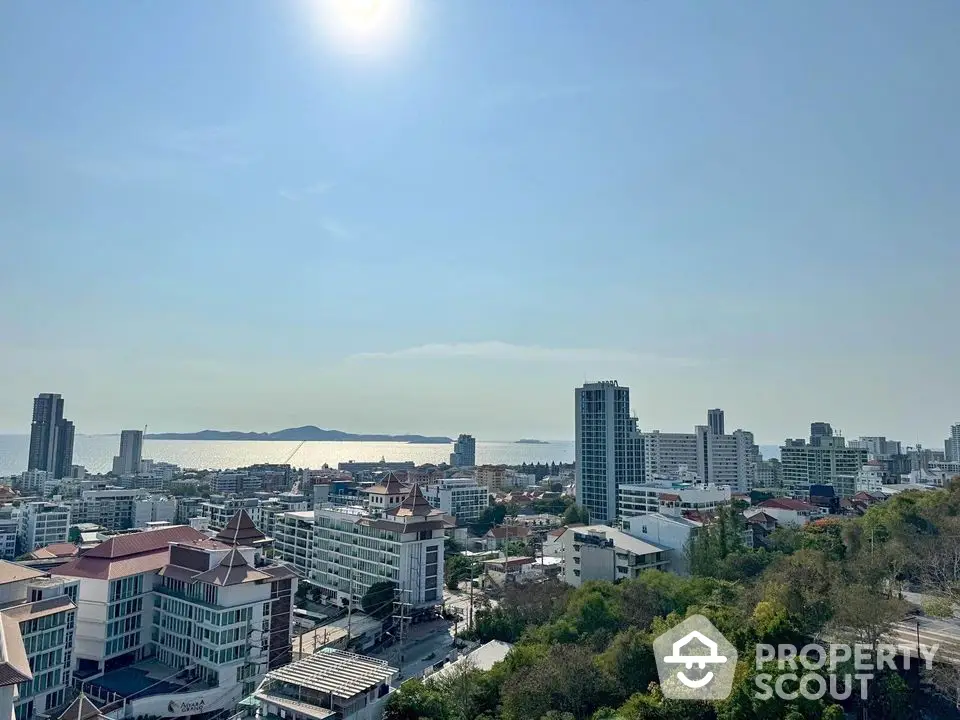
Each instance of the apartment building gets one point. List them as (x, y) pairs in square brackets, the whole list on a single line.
[(608, 447), (598, 552), (9, 530), (208, 617), (671, 498), (42, 523), (114, 508), (827, 462), (39, 620), (461, 498), (492, 477), (153, 509), (222, 511), (355, 549), (464, 452), (671, 532), (293, 539)]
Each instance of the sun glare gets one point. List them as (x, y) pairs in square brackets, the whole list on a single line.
[(364, 25)]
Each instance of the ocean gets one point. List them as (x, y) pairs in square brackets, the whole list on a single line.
[(95, 452)]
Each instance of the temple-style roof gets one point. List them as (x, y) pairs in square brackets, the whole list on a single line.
[(415, 505), (242, 531)]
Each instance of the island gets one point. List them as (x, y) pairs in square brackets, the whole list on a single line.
[(307, 432), (529, 441)]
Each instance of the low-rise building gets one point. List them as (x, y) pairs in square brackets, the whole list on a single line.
[(42, 523), (672, 532), (787, 511), (459, 497), (671, 498), (598, 552), (329, 685)]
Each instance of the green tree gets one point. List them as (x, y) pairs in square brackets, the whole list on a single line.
[(378, 600), (456, 569), (74, 535), (575, 514), (414, 700), (629, 662)]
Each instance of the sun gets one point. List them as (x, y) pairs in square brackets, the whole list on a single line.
[(363, 25)]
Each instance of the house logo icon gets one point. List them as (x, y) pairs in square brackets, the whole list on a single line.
[(695, 661)]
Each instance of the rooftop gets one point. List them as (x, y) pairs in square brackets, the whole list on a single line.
[(483, 658), (240, 530), (787, 504), (621, 540), (14, 665), (11, 572), (132, 554), (339, 673)]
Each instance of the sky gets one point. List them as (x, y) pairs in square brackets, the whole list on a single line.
[(441, 217)]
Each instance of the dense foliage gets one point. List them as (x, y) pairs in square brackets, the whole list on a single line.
[(586, 653)]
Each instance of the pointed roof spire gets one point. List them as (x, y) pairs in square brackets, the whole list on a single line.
[(242, 531), (414, 505), (81, 709)]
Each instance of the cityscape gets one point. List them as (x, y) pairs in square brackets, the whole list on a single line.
[(167, 591), (409, 360)]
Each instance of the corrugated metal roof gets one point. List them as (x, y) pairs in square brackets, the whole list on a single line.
[(11, 572), (143, 542), (130, 554), (40, 608), (342, 674)]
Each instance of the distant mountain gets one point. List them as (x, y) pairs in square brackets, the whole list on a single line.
[(528, 441), (307, 432)]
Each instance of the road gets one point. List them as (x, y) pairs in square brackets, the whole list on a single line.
[(933, 631), (426, 643)]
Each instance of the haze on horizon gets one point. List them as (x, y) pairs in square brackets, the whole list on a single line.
[(386, 216)]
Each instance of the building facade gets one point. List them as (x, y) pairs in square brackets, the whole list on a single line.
[(671, 498), (42, 523), (464, 452), (131, 453), (827, 462), (462, 498), (354, 550), (608, 447), (51, 437), (43, 610), (293, 539), (597, 552)]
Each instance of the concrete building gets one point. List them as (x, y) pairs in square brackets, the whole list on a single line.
[(38, 621), (715, 421), (153, 509), (293, 539), (608, 447), (331, 684), (787, 511), (51, 437), (42, 523), (404, 545), (671, 498), (598, 552), (9, 530), (826, 462), (492, 477), (769, 473), (464, 452), (672, 532), (131, 453), (220, 512), (664, 454), (461, 498), (112, 508), (951, 445), (206, 617)]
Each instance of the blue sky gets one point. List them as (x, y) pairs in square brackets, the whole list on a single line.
[(237, 215)]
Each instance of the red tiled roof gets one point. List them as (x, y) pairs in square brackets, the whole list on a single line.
[(670, 497), (761, 517), (503, 532), (127, 555), (56, 550), (241, 531), (787, 504), (11, 572)]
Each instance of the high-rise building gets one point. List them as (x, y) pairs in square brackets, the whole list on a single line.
[(715, 421), (609, 450), (51, 437), (825, 460), (131, 453), (43, 523), (818, 431), (464, 452), (951, 446)]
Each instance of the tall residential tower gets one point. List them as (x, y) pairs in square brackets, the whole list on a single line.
[(51, 437), (131, 453), (608, 447)]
